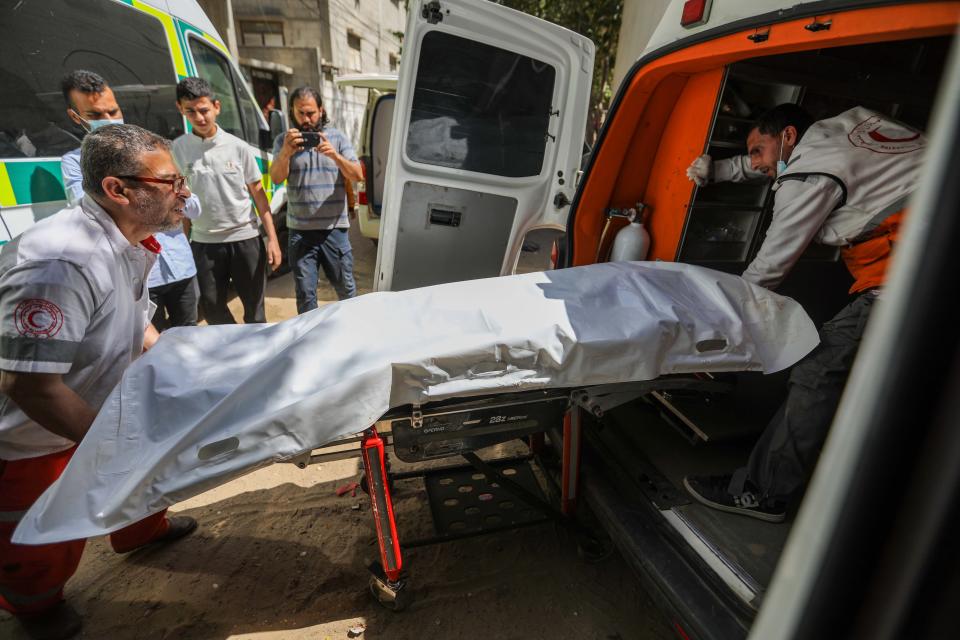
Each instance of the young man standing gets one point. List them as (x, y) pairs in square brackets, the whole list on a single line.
[(91, 104), (316, 198), (222, 170)]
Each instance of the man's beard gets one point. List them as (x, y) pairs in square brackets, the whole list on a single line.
[(309, 127), (154, 213)]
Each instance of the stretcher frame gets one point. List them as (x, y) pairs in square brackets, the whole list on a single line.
[(388, 582)]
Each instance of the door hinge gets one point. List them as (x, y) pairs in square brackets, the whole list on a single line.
[(431, 12), (759, 36), (816, 25), (416, 417)]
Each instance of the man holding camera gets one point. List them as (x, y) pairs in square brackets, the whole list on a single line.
[(316, 160)]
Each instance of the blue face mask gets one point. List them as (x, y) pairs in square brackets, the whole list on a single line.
[(781, 165), (96, 124), (93, 125)]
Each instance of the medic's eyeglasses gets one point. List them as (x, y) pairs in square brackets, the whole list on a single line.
[(178, 183)]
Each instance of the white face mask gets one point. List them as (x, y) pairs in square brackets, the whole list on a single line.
[(781, 165)]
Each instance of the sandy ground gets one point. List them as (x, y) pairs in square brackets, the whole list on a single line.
[(279, 555)]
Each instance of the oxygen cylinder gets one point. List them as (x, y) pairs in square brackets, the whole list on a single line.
[(632, 242)]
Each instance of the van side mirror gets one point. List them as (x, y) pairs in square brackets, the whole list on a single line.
[(278, 126)]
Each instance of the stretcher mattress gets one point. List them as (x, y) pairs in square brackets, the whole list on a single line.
[(208, 404)]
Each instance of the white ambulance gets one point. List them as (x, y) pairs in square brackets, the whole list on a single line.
[(142, 48), (489, 120), (374, 144)]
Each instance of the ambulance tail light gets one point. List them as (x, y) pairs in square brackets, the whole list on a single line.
[(362, 184), (695, 13)]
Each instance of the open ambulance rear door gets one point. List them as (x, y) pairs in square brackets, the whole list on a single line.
[(490, 116)]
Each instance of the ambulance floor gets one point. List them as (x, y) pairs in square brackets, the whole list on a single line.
[(750, 546)]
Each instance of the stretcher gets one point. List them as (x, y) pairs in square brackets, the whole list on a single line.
[(461, 427), (209, 404)]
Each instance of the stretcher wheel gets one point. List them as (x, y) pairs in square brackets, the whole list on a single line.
[(594, 550), (395, 596)]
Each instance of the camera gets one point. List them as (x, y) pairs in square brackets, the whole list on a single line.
[(311, 139)]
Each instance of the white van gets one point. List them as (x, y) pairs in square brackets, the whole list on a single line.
[(142, 49), (373, 145), (489, 118)]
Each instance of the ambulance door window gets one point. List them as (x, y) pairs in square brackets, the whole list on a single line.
[(248, 112), (214, 68), (479, 108), (128, 48)]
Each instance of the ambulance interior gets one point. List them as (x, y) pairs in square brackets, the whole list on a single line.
[(652, 443)]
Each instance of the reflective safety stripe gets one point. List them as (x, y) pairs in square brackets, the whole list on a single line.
[(19, 599), (11, 516), (170, 31), (37, 349), (803, 177), (7, 196)]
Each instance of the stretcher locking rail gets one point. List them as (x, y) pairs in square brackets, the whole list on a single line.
[(462, 426)]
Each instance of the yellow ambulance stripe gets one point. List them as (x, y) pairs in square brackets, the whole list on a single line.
[(7, 197), (216, 43), (171, 32)]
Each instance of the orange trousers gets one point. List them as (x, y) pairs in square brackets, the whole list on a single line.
[(32, 577)]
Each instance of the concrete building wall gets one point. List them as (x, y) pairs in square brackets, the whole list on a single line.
[(640, 19), (323, 39), (371, 25), (305, 62)]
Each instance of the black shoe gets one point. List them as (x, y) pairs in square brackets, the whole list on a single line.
[(712, 491), (57, 623), (178, 527)]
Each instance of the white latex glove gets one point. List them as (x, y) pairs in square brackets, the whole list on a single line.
[(700, 169), (191, 209)]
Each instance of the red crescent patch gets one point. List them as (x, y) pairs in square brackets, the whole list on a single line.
[(36, 318), (882, 136), (879, 137)]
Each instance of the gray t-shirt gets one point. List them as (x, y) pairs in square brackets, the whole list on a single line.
[(316, 195), (218, 170)]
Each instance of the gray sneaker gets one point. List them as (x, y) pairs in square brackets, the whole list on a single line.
[(712, 491)]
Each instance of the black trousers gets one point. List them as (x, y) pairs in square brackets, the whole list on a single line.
[(245, 263), (783, 459), (176, 304)]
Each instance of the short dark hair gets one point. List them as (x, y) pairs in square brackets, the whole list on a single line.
[(775, 120), (301, 93), (83, 81), (115, 150), (194, 89)]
